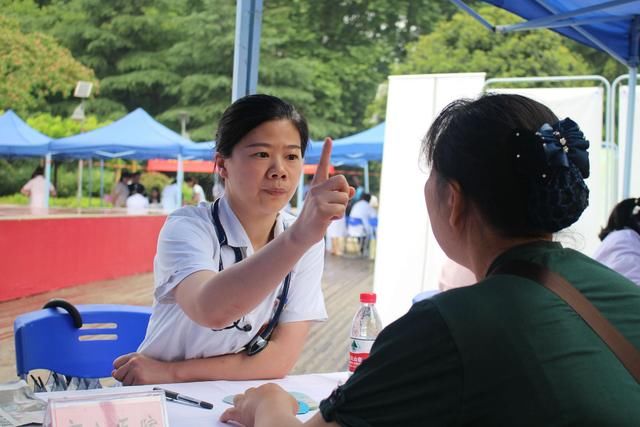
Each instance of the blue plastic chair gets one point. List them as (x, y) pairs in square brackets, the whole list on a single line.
[(49, 339)]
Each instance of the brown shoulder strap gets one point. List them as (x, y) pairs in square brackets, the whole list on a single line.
[(619, 345)]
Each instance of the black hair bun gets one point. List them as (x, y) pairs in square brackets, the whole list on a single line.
[(557, 201)]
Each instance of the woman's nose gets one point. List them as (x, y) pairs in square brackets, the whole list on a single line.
[(277, 170)]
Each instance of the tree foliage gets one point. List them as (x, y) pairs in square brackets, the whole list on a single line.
[(34, 69)]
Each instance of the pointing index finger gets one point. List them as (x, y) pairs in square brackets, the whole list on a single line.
[(322, 171)]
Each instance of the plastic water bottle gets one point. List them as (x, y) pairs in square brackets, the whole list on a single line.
[(365, 328)]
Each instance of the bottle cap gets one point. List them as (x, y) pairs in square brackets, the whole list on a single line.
[(368, 297)]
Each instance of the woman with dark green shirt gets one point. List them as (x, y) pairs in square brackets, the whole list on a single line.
[(505, 175)]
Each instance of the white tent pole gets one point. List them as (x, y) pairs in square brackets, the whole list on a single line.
[(299, 198), (366, 177), (101, 182), (179, 180), (90, 179), (47, 177), (633, 78), (79, 194)]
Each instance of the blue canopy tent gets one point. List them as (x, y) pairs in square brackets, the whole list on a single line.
[(354, 150), (135, 136), (19, 139), (611, 26)]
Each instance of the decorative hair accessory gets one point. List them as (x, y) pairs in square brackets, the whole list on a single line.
[(636, 208), (554, 162), (564, 142)]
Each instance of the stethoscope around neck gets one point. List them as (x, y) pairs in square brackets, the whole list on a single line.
[(261, 339)]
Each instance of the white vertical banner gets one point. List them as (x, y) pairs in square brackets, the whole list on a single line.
[(634, 187), (584, 105), (408, 259)]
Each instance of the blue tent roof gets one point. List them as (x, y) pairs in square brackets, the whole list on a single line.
[(603, 24), (198, 150), (19, 139), (354, 149), (135, 136)]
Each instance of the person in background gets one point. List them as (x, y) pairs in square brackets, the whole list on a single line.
[(506, 175), (137, 203), (359, 188), (363, 211), (36, 189), (224, 270), (120, 191), (154, 198), (197, 194), (620, 247), (170, 200), (135, 185)]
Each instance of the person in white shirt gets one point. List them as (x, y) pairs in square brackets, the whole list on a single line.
[(228, 269), (36, 189), (137, 203), (363, 211), (169, 197), (197, 194), (620, 247)]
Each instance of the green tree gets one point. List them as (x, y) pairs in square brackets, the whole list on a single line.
[(34, 69), (461, 44)]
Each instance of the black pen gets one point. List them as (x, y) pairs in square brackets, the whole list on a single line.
[(181, 397)]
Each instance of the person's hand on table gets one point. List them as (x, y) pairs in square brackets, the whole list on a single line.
[(136, 369), (268, 401)]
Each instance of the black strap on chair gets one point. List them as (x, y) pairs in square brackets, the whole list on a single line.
[(76, 317), (624, 350)]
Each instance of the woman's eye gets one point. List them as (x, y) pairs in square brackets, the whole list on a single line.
[(262, 155), (292, 157)]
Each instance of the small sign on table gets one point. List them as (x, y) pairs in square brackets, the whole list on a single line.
[(131, 409)]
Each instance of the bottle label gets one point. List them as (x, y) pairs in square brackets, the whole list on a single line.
[(360, 349)]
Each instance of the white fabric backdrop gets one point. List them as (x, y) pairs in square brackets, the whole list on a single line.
[(408, 259), (634, 188)]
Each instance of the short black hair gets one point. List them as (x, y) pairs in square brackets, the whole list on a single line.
[(471, 142), (249, 112), (625, 214)]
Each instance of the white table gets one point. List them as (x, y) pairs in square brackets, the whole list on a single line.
[(316, 386)]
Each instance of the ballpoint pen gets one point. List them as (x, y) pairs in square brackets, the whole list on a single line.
[(183, 398)]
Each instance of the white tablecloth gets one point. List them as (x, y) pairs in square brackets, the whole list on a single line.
[(316, 386)]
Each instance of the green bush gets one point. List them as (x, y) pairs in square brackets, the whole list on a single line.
[(15, 173)]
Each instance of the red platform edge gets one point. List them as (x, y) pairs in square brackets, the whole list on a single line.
[(40, 255)]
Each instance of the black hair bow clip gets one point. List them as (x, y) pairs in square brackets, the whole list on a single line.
[(564, 142)]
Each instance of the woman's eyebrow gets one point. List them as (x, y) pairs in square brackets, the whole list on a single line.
[(265, 145)]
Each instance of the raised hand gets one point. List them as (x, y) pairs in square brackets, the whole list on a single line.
[(326, 200)]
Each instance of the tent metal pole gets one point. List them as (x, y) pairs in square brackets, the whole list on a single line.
[(366, 177), (633, 79), (47, 177), (90, 179), (101, 182), (79, 193), (299, 195), (179, 181), (246, 54)]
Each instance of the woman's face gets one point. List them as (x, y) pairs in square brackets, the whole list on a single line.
[(263, 170)]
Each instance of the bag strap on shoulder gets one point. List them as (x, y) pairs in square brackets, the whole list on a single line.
[(619, 345)]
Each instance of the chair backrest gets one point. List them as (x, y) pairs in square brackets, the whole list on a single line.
[(353, 221), (47, 339)]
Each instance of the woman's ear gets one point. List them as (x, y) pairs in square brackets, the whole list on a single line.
[(457, 205), (220, 165)]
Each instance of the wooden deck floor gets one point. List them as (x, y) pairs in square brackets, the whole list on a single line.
[(326, 348)]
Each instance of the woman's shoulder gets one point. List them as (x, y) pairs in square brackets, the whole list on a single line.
[(190, 216)]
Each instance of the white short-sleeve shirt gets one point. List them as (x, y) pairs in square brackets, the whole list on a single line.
[(188, 243), (620, 251)]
